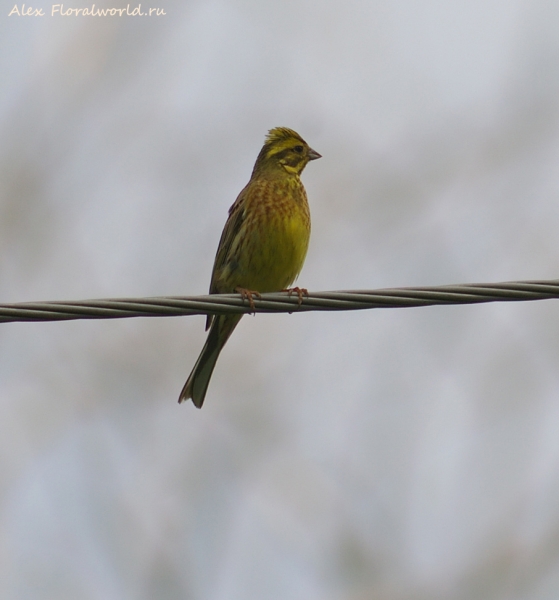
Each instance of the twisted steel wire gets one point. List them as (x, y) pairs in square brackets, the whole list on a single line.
[(174, 306)]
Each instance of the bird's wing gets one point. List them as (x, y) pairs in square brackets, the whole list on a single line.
[(230, 231), (228, 236)]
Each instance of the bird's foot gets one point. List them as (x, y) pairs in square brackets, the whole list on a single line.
[(248, 295), (300, 293)]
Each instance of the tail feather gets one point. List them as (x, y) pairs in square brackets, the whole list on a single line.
[(197, 383)]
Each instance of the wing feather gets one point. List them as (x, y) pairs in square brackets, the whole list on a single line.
[(223, 255)]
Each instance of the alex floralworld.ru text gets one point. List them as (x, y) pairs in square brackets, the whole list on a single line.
[(92, 11)]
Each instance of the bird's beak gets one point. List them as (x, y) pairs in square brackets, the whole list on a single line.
[(313, 154)]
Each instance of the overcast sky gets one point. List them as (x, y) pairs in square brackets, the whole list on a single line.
[(389, 454)]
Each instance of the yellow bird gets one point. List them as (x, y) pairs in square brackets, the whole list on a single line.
[(263, 244)]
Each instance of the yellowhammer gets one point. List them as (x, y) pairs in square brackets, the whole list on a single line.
[(263, 244)]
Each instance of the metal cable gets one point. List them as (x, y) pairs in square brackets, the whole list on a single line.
[(174, 306)]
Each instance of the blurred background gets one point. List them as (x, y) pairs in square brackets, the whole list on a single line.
[(387, 454)]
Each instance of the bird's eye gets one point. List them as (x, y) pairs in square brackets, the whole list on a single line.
[(298, 149)]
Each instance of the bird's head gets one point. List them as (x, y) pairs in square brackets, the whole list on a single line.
[(285, 151)]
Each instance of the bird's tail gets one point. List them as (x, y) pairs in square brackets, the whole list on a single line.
[(196, 385)]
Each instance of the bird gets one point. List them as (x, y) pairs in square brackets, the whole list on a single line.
[(263, 244)]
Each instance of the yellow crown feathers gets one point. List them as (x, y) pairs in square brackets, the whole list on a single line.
[(281, 134)]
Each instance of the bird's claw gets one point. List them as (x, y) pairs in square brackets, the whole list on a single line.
[(300, 293), (248, 295)]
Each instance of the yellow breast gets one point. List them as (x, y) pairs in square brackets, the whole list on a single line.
[(274, 237)]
